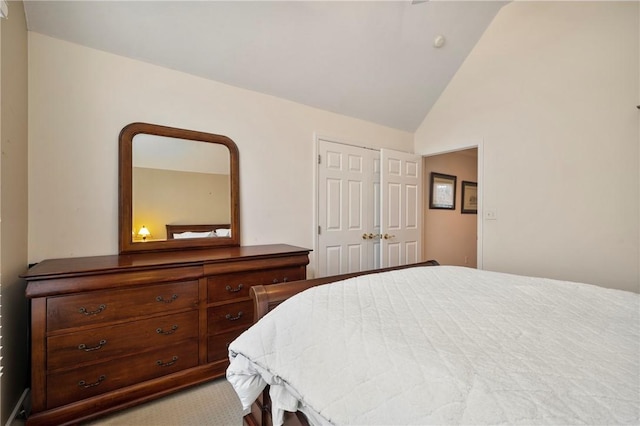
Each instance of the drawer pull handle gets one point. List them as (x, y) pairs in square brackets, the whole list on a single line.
[(174, 327), (167, 364), (161, 299), (84, 347), (237, 317), (234, 290), (284, 280), (101, 308), (86, 385)]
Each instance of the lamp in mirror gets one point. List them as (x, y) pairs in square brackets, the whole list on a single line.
[(144, 233)]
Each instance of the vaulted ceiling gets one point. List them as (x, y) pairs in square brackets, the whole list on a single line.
[(370, 60)]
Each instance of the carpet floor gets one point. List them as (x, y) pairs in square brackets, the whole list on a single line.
[(214, 403)]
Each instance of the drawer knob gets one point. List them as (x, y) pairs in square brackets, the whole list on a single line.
[(232, 318), (168, 363), (174, 327), (162, 299), (84, 347), (234, 290), (84, 311), (86, 385)]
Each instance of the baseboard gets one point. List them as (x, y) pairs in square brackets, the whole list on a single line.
[(21, 408)]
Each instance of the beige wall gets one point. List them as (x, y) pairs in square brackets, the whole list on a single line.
[(80, 98), (551, 91), (13, 206), (450, 237)]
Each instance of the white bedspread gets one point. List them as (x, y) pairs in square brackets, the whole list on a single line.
[(447, 345)]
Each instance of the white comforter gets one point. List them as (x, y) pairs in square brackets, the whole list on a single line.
[(447, 345)]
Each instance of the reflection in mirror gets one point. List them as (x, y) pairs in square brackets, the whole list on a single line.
[(178, 189), (179, 182)]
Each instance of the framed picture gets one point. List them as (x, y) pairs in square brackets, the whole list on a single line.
[(443, 191), (469, 197)]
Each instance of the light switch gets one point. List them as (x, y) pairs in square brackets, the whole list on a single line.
[(490, 215)]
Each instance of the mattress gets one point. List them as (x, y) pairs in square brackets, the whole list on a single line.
[(447, 345)]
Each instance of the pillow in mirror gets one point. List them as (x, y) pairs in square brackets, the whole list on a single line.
[(190, 234), (223, 232)]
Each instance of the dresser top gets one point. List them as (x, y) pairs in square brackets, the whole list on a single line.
[(74, 266)]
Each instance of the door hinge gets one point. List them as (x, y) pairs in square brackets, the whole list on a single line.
[(319, 159), (319, 230)]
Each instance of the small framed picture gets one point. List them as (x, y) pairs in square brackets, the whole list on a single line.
[(443, 191), (469, 197)]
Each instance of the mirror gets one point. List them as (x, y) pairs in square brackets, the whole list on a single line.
[(178, 189)]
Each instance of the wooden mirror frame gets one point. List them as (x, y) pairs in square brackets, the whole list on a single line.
[(125, 215)]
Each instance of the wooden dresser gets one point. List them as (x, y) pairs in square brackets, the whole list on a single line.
[(111, 332)]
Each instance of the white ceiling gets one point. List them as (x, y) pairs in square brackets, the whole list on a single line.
[(370, 60)]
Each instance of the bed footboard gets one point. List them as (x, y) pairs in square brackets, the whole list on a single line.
[(260, 414), (267, 297)]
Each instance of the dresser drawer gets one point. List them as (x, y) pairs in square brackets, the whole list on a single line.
[(231, 316), (218, 345), (85, 382), (104, 306), (98, 344), (236, 285)]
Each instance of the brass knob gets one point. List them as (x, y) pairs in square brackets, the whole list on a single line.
[(387, 236)]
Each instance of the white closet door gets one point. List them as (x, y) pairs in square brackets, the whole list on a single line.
[(348, 208), (401, 212)]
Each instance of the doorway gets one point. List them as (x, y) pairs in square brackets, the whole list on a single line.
[(451, 235)]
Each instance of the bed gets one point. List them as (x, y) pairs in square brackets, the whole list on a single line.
[(439, 345), (198, 231)]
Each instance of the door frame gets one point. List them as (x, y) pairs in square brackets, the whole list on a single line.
[(461, 145)]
